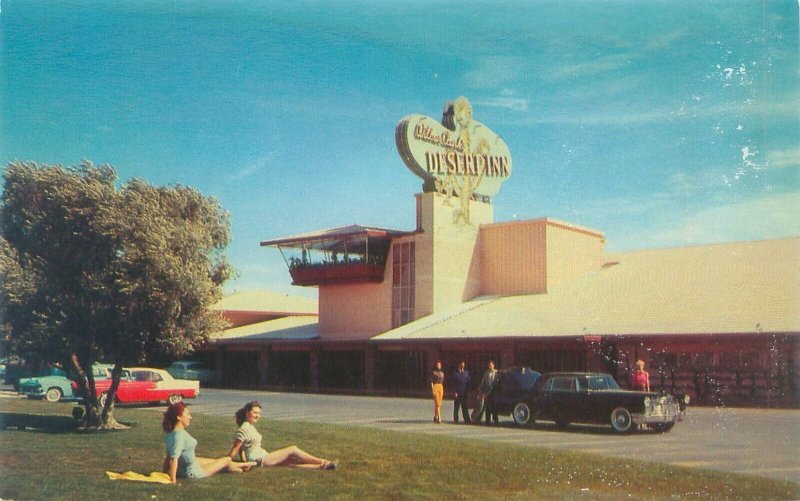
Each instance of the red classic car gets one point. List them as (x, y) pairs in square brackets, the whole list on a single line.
[(145, 385)]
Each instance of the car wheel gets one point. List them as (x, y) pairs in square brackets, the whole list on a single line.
[(661, 427), (522, 414), (174, 398), (621, 420), (53, 395)]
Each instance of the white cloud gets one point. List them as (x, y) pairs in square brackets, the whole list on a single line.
[(252, 168), (508, 102), (785, 158), (758, 219), (605, 64), (493, 71)]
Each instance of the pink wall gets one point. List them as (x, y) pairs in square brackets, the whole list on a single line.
[(355, 311)]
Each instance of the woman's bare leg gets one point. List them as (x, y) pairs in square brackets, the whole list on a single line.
[(292, 456), (212, 466)]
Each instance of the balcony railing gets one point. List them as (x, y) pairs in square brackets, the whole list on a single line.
[(336, 273)]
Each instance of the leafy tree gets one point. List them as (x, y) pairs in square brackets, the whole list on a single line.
[(93, 272)]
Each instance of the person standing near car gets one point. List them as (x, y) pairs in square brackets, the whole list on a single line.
[(486, 389), (437, 388), (460, 388), (640, 378)]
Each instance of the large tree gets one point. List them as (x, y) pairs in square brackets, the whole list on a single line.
[(95, 272)]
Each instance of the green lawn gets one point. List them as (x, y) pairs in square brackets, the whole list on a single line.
[(59, 463)]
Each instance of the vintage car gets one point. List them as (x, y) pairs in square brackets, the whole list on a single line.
[(54, 385), (146, 385), (193, 370), (595, 398)]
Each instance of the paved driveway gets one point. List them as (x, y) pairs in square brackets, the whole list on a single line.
[(753, 441)]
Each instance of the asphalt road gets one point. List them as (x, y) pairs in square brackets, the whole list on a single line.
[(763, 442)]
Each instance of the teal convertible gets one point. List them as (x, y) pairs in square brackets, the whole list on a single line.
[(54, 385)]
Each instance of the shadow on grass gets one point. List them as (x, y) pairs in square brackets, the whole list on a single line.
[(39, 422), (48, 423)]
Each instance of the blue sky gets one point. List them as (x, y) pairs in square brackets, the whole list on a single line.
[(660, 123)]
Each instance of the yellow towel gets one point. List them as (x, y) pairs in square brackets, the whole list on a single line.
[(156, 476)]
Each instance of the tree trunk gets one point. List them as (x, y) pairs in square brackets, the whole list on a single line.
[(94, 417)]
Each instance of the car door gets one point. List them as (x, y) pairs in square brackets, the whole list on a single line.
[(141, 388), (560, 398)]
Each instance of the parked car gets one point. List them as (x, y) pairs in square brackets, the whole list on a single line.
[(146, 385), (15, 369), (54, 385), (588, 397), (193, 370)]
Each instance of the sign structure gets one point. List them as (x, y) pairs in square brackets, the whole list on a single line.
[(459, 156)]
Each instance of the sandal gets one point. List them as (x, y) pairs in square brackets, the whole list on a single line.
[(328, 465)]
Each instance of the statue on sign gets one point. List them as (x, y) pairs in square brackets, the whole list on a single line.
[(457, 116), (456, 157)]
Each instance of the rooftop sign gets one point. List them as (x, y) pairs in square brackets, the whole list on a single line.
[(458, 156)]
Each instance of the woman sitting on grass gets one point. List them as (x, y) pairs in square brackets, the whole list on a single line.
[(247, 443), (180, 460)]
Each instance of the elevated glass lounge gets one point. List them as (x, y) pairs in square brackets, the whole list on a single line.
[(348, 254)]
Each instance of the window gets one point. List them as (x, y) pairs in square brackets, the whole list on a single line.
[(403, 277), (602, 383), (562, 383), (147, 376)]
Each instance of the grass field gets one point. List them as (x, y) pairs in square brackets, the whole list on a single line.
[(59, 463)]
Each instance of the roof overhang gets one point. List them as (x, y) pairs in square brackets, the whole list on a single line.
[(330, 238)]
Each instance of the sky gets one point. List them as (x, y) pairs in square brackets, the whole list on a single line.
[(659, 123)]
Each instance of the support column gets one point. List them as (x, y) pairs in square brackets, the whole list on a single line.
[(222, 374), (507, 356), (434, 353), (794, 366), (313, 368), (369, 367), (263, 365)]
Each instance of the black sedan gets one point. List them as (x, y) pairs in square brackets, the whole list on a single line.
[(595, 398)]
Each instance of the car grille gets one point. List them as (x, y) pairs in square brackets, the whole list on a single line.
[(662, 406)]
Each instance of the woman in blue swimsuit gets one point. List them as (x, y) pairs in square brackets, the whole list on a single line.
[(180, 460)]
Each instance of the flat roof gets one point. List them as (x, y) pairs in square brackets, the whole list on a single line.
[(262, 301), (748, 287), (318, 238), (297, 328)]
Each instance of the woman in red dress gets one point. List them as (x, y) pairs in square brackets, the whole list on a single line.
[(640, 379)]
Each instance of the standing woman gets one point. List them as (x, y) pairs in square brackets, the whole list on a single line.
[(180, 460), (437, 388), (247, 442), (640, 379)]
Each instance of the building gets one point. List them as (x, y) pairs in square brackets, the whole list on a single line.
[(720, 322)]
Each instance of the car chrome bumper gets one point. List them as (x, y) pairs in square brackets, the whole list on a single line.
[(32, 392), (653, 419)]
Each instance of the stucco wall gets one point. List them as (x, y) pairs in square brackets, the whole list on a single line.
[(514, 258), (448, 254), (572, 251), (355, 311)]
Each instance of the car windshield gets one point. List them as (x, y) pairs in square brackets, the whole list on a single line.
[(601, 382)]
